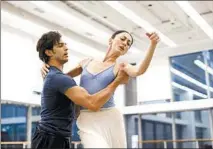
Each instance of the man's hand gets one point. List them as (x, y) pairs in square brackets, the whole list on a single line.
[(154, 38), (44, 70), (122, 77)]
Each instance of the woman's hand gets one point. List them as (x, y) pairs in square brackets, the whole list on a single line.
[(44, 70), (153, 37)]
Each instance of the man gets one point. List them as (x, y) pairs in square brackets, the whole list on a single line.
[(60, 94)]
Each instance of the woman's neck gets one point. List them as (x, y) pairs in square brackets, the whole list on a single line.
[(110, 57)]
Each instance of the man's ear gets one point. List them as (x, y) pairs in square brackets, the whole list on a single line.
[(49, 52)]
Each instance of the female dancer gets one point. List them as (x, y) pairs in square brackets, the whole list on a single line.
[(105, 128)]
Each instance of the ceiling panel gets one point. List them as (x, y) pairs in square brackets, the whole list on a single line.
[(205, 9)]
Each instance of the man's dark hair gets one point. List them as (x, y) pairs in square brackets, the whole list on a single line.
[(121, 31), (46, 42)]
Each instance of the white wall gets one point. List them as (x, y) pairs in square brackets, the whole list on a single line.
[(20, 68), (155, 83), (119, 96)]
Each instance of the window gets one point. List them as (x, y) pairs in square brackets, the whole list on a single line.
[(148, 133), (179, 135), (198, 117), (21, 132), (168, 134), (159, 134), (159, 127), (21, 110), (12, 110), (7, 110), (9, 132), (36, 111), (199, 135), (156, 131), (189, 78), (15, 132), (34, 124)]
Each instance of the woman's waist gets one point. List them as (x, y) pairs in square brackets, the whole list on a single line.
[(109, 104), (103, 115), (103, 108)]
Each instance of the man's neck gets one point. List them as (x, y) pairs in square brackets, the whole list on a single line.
[(56, 64)]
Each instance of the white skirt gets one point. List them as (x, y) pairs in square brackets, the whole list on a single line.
[(102, 129)]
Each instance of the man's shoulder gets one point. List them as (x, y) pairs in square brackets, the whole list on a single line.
[(54, 73), (58, 75), (58, 80)]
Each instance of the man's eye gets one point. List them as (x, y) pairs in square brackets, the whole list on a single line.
[(61, 45)]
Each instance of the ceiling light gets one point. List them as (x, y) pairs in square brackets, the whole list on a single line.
[(195, 16), (139, 21)]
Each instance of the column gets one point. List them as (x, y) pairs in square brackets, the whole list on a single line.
[(140, 136), (29, 125), (131, 92), (174, 130)]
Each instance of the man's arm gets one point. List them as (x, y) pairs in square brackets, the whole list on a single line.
[(80, 96), (93, 102)]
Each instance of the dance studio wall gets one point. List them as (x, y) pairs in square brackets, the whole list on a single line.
[(20, 68), (155, 83)]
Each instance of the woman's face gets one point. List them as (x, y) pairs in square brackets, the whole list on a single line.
[(121, 43)]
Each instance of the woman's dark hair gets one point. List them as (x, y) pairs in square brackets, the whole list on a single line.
[(121, 31), (46, 42)]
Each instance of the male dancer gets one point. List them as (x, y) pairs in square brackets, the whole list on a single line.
[(60, 94)]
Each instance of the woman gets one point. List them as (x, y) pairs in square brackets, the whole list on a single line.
[(105, 128)]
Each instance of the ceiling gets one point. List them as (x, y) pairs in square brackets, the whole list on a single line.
[(92, 22)]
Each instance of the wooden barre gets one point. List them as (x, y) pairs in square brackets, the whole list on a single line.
[(184, 140)]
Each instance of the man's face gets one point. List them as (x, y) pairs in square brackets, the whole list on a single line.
[(60, 52)]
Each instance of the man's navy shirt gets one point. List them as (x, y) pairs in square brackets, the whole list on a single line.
[(57, 110)]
